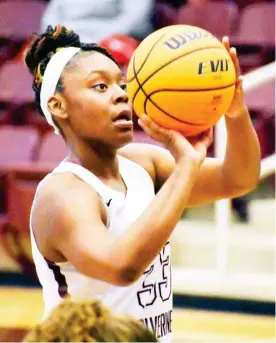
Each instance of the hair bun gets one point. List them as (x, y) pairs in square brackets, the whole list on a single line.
[(46, 44)]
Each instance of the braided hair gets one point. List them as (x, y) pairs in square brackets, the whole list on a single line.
[(88, 321), (45, 46)]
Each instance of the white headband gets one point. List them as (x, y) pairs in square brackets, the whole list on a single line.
[(51, 76)]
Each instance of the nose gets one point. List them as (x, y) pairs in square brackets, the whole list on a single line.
[(120, 95)]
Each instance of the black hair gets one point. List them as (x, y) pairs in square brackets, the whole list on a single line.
[(44, 46)]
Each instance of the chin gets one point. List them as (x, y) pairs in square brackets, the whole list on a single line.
[(124, 138)]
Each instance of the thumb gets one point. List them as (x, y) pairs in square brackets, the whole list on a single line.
[(205, 139), (239, 83), (203, 142)]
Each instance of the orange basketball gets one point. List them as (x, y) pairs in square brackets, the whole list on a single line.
[(182, 77)]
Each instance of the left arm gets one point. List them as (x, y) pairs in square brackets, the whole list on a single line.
[(239, 172), (241, 165), (236, 175)]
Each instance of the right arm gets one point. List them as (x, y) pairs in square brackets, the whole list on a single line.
[(79, 233)]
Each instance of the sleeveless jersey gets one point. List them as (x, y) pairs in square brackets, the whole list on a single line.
[(150, 298)]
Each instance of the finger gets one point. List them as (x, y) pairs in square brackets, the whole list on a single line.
[(154, 130), (206, 138), (226, 43), (234, 57), (233, 54), (144, 127), (147, 129), (239, 82), (153, 125), (201, 148)]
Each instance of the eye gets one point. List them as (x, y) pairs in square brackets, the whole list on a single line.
[(101, 87), (124, 86)]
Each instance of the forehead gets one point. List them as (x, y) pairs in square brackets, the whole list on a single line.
[(85, 63)]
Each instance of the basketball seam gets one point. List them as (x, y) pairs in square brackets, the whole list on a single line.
[(147, 56), (147, 98), (167, 114), (190, 89), (178, 90), (165, 65)]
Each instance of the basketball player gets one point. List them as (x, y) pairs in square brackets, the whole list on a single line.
[(101, 221), (88, 321)]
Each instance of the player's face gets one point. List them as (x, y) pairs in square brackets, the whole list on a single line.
[(97, 104)]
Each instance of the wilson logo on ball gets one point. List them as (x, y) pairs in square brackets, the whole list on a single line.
[(183, 38), (208, 67)]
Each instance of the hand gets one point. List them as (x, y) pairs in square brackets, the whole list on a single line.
[(237, 106), (179, 146)]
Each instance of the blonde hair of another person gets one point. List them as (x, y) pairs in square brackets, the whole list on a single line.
[(88, 321)]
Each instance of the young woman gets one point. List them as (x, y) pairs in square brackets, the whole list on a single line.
[(101, 221)]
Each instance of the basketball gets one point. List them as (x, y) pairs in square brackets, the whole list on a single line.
[(182, 77)]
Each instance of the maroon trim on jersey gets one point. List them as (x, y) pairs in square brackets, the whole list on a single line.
[(72, 161), (59, 277)]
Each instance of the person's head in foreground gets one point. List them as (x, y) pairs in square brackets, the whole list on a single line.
[(80, 90), (88, 321)]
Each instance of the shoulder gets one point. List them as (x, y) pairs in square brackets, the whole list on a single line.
[(142, 154), (59, 186), (157, 161), (62, 196)]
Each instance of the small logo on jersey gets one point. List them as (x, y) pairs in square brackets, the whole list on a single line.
[(108, 203)]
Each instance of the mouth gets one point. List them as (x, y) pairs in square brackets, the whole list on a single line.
[(123, 120), (123, 115)]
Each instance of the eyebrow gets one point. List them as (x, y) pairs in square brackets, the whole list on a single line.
[(119, 75)]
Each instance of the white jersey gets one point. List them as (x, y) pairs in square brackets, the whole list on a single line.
[(150, 298)]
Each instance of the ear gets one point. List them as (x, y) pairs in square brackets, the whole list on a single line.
[(57, 106)]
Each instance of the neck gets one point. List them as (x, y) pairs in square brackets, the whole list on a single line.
[(97, 157)]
